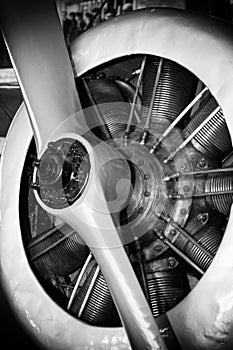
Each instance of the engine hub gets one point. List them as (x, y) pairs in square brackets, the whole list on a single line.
[(151, 195)]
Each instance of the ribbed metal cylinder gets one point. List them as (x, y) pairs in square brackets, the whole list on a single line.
[(99, 309), (210, 239), (111, 104), (166, 289), (214, 138), (220, 182), (58, 252), (174, 92)]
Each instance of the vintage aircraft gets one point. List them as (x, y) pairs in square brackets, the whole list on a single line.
[(116, 181)]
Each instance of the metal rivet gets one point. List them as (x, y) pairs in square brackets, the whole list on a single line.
[(183, 211), (147, 194), (146, 177)]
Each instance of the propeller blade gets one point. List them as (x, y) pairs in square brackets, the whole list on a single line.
[(35, 41), (40, 58), (96, 220)]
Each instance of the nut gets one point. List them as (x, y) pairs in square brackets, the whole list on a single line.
[(171, 262), (203, 218), (158, 248), (202, 163)]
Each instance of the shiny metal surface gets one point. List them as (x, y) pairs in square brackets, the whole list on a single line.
[(213, 139), (216, 183), (205, 318)]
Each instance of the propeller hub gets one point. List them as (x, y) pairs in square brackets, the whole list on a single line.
[(62, 173), (50, 168)]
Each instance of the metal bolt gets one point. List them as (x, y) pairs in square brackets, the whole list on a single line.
[(171, 262), (79, 156), (159, 234), (203, 217), (173, 232), (158, 248), (202, 163), (36, 163), (101, 75), (147, 194), (35, 186)]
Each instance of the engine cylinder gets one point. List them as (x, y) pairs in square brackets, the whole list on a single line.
[(220, 182), (111, 104), (214, 138), (174, 92), (99, 309), (58, 252), (166, 289), (210, 239)]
